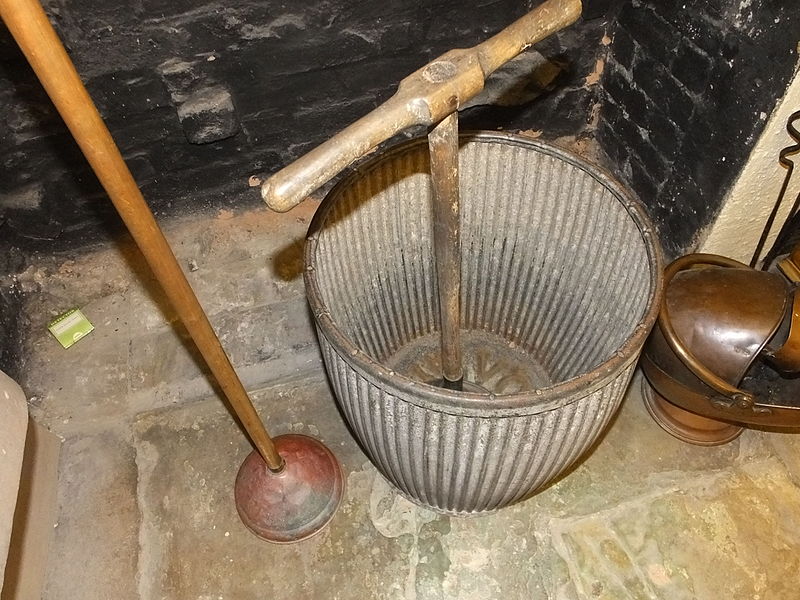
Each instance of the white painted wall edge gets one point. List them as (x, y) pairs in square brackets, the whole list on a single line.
[(746, 208)]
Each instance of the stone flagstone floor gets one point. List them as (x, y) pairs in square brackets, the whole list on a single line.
[(150, 454)]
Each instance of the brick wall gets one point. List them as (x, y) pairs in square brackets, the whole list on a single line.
[(200, 95), (687, 89)]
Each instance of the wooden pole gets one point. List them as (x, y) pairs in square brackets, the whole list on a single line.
[(28, 23)]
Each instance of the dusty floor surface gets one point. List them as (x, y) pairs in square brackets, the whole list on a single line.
[(150, 454)]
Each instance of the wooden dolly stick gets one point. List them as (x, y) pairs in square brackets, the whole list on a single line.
[(33, 32)]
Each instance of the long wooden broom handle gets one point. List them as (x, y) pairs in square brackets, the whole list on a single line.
[(33, 32)]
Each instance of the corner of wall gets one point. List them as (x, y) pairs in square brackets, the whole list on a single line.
[(745, 209)]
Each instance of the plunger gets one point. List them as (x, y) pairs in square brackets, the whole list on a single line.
[(287, 489)]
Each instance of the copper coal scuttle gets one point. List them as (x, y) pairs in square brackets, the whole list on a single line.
[(726, 352)]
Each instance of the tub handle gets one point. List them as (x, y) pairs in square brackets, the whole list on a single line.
[(423, 98)]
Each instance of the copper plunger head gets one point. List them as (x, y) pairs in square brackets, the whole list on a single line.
[(296, 502)]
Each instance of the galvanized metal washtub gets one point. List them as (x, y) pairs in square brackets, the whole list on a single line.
[(561, 282)]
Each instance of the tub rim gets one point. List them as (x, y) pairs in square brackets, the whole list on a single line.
[(438, 399)]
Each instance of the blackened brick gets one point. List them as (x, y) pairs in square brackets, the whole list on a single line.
[(208, 115), (652, 160), (143, 131), (626, 128), (577, 49), (391, 27), (160, 9), (642, 182), (326, 119), (658, 38), (299, 71), (692, 67), (27, 112), (663, 133), (141, 168), (689, 209), (665, 92), (628, 131), (575, 105), (682, 191), (316, 50), (128, 92), (614, 148), (698, 140), (619, 87), (446, 21), (703, 161), (692, 22), (597, 9), (265, 93), (609, 109), (623, 48), (89, 16)]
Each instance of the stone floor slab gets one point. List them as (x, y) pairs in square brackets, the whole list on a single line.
[(734, 534), (584, 537), (378, 546), (95, 549)]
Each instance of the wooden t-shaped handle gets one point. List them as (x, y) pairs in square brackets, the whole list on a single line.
[(423, 98)]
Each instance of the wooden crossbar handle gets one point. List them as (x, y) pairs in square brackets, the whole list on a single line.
[(423, 98)]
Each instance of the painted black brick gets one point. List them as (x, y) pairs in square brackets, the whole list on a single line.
[(623, 48), (619, 87), (665, 92), (599, 9), (614, 149), (688, 211), (627, 134), (574, 107), (130, 93), (664, 134), (697, 22), (713, 153), (709, 69), (651, 32), (557, 114), (445, 21), (160, 9), (692, 67), (626, 129), (652, 160), (11, 325), (642, 181)]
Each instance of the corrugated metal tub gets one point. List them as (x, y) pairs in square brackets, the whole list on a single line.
[(561, 278)]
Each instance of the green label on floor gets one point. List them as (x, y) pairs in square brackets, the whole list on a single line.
[(70, 327)]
